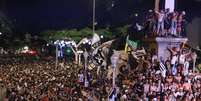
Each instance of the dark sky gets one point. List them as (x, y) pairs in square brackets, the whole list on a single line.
[(34, 16)]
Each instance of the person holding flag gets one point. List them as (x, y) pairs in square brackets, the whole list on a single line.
[(133, 44), (113, 95), (162, 69)]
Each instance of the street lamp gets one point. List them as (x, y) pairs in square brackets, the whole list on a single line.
[(114, 60)]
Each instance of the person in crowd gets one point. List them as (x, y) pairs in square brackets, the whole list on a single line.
[(165, 23), (174, 24), (181, 24), (160, 25)]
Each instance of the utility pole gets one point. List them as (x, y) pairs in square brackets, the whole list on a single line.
[(94, 15)]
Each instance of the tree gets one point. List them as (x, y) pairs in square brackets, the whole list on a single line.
[(73, 34), (107, 34), (123, 30), (5, 24)]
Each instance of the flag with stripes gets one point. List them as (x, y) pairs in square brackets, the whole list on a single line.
[(112, 96), (163, 69)]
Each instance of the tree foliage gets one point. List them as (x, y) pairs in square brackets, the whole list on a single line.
[(5, 24), (77, 35)]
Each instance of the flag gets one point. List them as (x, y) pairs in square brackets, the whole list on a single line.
[(95, 39), (112, 96), (163, 69), (130, 43)]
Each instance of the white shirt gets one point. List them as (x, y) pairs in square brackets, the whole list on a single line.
[(182, 59), (160, 17), (174, 60), (81, 77), (124, 97), (186, 67), (146, 88), (154, 57)]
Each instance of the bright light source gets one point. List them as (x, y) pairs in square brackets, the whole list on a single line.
[(101, 36), (89, 42), (62, 42), (150, 11), (112, 5), (26, 47), (0, 33)]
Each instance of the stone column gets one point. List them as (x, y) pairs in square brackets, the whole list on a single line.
[(163, 43), (157, 3), (170, 4)]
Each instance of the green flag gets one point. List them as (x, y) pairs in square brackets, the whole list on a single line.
[(132, 43)]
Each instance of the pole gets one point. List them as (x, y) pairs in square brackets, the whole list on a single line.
[(94, 15), (79, 59), (56, 63), (114, 60), (114, 76), (76, 56), (75, 53), (85, 67), (194, 60)]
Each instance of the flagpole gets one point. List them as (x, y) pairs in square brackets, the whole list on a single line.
[(85, 67), (56, 63)]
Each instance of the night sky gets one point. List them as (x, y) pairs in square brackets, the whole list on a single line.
[(34, 16)]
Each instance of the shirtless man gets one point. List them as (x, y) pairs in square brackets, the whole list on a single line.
[(160, 26)]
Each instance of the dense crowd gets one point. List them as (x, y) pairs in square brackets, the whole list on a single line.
[(165, 23), (41, 80), (150, 78), (173, 81)]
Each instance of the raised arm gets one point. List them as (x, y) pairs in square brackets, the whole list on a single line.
[(170, 50)]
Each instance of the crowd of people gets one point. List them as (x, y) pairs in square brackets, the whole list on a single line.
[(151, 79), (171, 80), (164, 23)]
